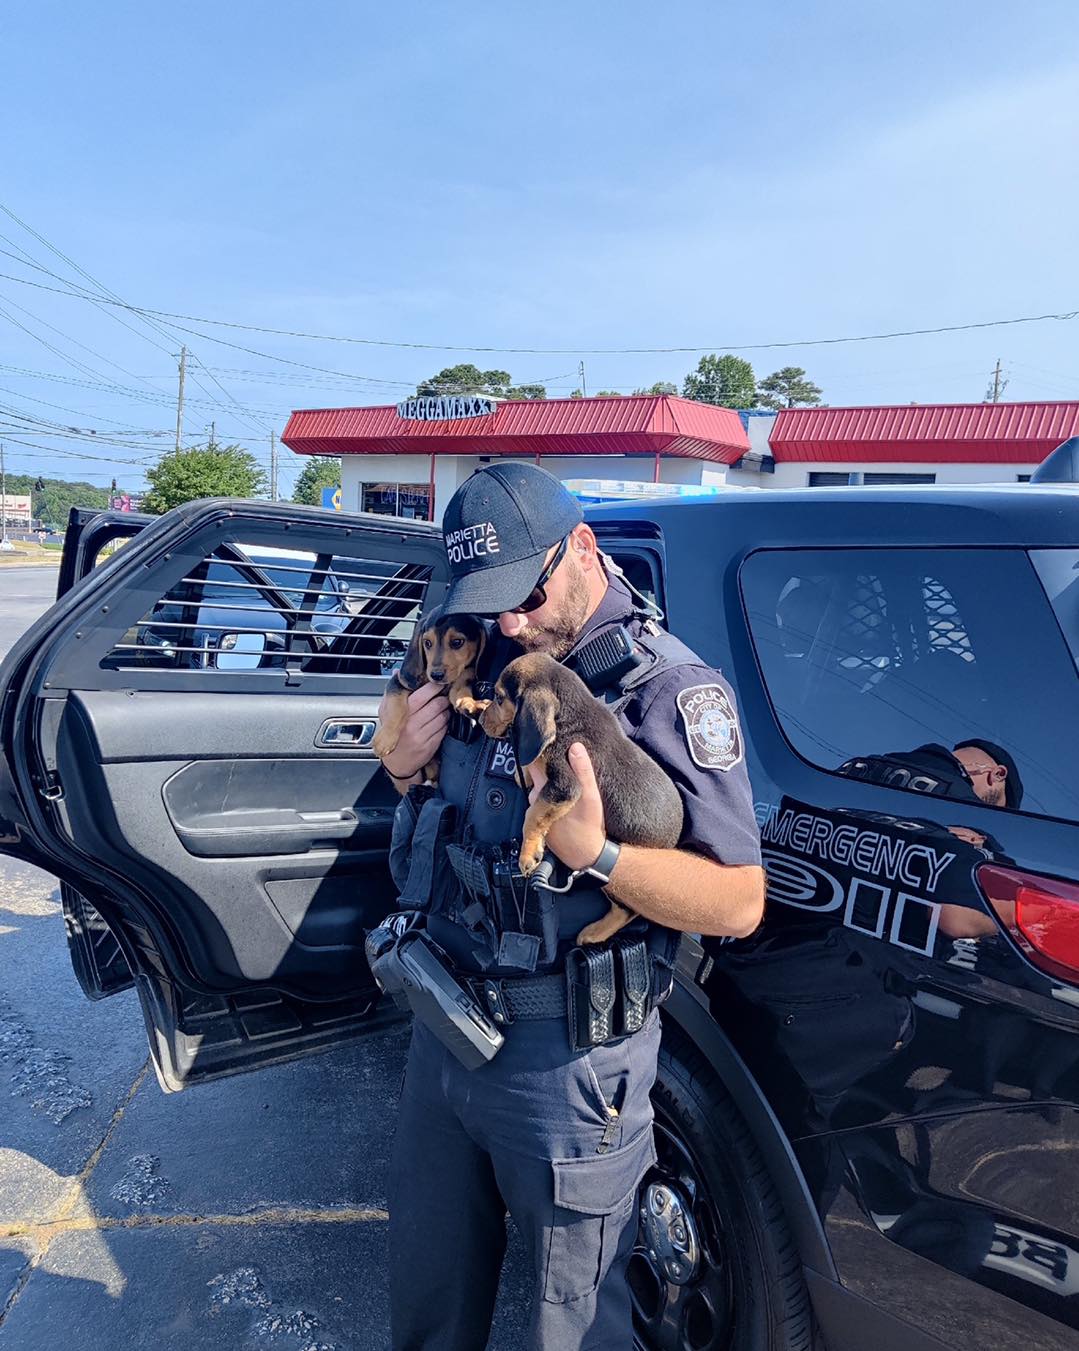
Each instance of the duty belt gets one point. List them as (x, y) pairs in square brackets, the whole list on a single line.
[(524, 998), (605, 992)]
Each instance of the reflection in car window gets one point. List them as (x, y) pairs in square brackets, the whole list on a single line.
[(879, 653)]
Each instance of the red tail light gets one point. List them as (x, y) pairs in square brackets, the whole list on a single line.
[(1041, 914)]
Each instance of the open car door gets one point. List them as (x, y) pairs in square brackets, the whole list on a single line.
[(185, 742)]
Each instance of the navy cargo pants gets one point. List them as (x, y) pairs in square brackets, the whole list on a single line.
[(559, 1138)]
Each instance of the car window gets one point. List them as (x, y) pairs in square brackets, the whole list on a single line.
[(641, 569), (1059, 572), (253, 609), (881, 663)]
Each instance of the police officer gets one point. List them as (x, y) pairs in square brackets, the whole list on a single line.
[(557, 1127)]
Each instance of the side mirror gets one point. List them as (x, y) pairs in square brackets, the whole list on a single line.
[(240, 651)]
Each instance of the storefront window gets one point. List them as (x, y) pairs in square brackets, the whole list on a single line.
[(411, 500)]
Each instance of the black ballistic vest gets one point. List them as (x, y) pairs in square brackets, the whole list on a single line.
[(478, 780)]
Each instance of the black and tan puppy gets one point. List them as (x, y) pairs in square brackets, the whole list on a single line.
[(444, 649), (549, 707)]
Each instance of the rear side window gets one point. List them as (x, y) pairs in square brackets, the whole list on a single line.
[(879, 652), (1059, 572), (249, 609)]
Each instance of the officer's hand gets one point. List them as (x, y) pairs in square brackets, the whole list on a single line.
[(428, 717), (578, 837)]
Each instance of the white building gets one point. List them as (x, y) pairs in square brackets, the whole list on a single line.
[(409, 459)]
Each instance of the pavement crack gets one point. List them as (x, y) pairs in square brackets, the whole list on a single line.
[(20, 1284), (77, 1187)]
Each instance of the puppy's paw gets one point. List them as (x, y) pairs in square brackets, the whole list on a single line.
[(430, 770), (528, 860), (472, 707), (383, 743), (600, 930)]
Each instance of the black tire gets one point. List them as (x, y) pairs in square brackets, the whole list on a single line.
[(745, 1291)]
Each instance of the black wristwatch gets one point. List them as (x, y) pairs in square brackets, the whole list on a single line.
[(604, 865)]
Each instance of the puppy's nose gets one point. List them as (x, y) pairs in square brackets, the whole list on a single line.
[(439, 673)]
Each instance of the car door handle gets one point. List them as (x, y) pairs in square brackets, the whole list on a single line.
[(346, 733)]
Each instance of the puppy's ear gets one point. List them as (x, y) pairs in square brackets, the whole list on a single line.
[(481, 641), (413, 670), (534, 724)]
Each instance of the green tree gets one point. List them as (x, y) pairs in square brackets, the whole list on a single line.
[(466, 378), (660, 387), (52, 498), (323, 471), (202, 471), (607, 394), (726, 381), (787, 388)]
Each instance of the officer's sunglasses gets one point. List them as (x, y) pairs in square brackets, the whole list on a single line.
[(538, 595)]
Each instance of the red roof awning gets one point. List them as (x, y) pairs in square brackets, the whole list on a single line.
[(947, 433), (637, 425)]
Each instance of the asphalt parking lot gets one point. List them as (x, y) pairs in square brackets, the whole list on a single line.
[(249, 1213)]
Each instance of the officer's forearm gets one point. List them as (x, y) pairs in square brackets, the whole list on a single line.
[(687, 891)]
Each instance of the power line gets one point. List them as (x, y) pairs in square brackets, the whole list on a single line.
[(540, 351), (108, 296), (62, 408), (162, 399), (76, 455)]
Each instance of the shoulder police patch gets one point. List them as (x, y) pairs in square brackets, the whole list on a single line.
[(712, 732)]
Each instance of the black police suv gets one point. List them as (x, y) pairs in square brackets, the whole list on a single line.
[(867, 1114)]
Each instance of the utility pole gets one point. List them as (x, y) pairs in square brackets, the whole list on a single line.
[(273, 466), (180, 397), (3, 500), (580, 372), (213, 435), (998, 383)]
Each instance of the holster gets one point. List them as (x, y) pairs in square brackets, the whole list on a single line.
[(413, 970)]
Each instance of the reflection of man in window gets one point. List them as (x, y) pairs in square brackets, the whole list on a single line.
[(991, 771), (974, 770)]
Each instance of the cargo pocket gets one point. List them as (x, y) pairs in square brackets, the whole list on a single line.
[(593, 1200)]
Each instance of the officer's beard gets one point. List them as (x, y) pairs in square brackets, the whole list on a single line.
[(997, 795), (557, 634)]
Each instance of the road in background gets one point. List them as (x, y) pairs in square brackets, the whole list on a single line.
[(25, 593), (245, 1213)]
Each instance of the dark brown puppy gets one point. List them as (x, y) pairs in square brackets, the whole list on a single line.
[(550, 707), (444, 649)]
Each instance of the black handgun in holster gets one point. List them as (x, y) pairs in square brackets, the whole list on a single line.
[(608, 991), (407, 966)]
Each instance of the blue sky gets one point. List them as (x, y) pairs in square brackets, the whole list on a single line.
[(556, 176)]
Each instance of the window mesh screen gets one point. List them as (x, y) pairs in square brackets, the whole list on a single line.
[(947, 632)]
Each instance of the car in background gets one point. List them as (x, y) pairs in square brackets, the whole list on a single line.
[(236, 611)]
